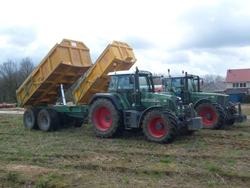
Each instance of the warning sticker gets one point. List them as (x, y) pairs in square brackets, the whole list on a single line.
[(76, 55)]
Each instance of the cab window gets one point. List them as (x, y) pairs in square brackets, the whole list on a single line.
[(144, 84), (123, 82), (112, 83)]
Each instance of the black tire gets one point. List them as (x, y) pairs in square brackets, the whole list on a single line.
[(71, 122), (230, 112), (78, 122), (48, 120), (160, 126), (212, 114), (30, 118), (105, 119)]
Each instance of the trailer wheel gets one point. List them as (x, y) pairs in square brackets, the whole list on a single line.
[(30, 118), (48, 120), (160, 126), (105, 119), (212, 114)]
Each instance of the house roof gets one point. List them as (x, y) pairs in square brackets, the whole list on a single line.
[(238, 75), (219, 86), (236, 91)]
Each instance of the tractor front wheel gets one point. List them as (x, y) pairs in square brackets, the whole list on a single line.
[(105, 119), (212, 114), (159, 126)]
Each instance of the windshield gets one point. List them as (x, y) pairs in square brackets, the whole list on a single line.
[(191, 84), (173, 84), (145, 83)]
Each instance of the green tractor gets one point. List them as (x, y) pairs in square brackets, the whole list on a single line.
[(131, 103), (215, 109)]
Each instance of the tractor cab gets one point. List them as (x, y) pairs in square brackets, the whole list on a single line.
[(130, 86), (182, 85)]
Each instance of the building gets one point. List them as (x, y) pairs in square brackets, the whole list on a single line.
[(213, 87), (237, 84)]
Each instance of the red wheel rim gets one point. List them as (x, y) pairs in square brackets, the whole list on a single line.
[(157, 127), (102, 118), (208, 116)]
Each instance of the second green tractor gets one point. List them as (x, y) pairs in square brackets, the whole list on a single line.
[(215, 109)]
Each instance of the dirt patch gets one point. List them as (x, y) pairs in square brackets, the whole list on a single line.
[(29, 169)]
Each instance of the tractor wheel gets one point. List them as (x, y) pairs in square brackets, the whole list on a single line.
[(105, 119), (230, 112), (212, 114), (160, 126), (30, 118), (48, 120)]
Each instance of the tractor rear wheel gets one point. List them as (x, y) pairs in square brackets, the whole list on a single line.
[(105, 119), (160, 126), (30, 118), (48, 120), (212, 114)]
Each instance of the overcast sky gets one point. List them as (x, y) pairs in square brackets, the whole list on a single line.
[(197, 36)]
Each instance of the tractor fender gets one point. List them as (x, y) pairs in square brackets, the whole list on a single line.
[(112, 97), (145, 112), (200, 102)]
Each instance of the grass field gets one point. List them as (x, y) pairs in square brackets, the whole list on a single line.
[(75, 157)]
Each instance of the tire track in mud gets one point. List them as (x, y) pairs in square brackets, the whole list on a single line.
[(109, 155), (113, 161), (226, 140), (89, 163)]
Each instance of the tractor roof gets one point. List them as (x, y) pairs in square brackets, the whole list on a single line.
[(181, 76), (127, 72)]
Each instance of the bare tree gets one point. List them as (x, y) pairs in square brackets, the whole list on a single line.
[(3, 91), (26, 67), (208, 78), (9, 80)]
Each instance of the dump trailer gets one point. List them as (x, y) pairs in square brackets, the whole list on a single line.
[(58, 71), (64, 64), (97, 79), (112, 102)]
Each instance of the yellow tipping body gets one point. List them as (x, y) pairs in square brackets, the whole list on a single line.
[(97, 79), (64, 64)]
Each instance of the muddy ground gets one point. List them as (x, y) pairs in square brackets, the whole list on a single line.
[(75, 157)]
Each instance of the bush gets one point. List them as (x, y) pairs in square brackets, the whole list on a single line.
[(247, 99)]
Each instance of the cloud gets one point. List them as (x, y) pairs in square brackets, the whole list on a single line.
[(16, 42), (20, 36), (223, 24), (138, 42)]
